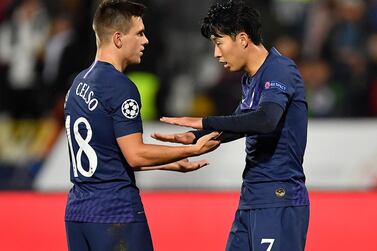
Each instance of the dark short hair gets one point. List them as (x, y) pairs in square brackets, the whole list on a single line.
[(115, 15), (231, 18)]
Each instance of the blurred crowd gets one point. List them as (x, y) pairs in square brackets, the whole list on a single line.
[(45, 43), (335, 44), (42, 45)]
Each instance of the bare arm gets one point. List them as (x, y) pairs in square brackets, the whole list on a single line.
[(139, 154), (182, 166)]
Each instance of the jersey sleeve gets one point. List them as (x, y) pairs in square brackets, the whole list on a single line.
[(126, 106), (277, 84)]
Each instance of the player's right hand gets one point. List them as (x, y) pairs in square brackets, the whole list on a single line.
[(185, 165), (207, 143), (183, 138)]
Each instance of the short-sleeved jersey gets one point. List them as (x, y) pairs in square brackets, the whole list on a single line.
[(274, 175), (102, 105)]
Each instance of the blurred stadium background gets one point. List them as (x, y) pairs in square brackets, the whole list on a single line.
[(44, 43)]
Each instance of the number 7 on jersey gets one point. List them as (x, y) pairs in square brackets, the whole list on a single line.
[(269, 241)]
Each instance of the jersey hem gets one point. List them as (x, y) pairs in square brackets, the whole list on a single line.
[(107, 219), (271, 205)]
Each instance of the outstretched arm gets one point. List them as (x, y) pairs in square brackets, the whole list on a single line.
[(139, 154), (182, 166), (263, 120), (191, 137), (182, 138)]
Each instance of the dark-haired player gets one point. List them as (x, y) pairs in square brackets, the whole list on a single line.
[(273, 212), (104, 129)]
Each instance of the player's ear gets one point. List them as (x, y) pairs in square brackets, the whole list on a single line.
[(117, 39), (243, 39)]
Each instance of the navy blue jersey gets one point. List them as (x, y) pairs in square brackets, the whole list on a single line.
[(274, 175), (102, 105)]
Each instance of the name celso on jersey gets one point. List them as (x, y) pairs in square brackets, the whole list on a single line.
[(83, 91)]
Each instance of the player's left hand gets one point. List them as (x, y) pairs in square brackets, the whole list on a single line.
[(185, 165), (183, 138), (184, 121)]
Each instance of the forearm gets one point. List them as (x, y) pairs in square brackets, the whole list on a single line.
[(230, 136), (139, 154), (199, 133), (263, 120), (224, 137), (167, 167), (156, 156)]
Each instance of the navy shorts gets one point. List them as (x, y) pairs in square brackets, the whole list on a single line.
[(269, 229), (82, 236)]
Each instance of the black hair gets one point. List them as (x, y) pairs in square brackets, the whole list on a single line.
[(115, 15), (231, 18)]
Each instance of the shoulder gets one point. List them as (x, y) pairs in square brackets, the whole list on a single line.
[(280, 73), (115, 83), (107, 76), (120, 89), (280, 63), (122, 85), (280, 68), (79, 76)]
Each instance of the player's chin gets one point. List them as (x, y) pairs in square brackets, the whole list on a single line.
[(137, 60), (228, 67), (234, 69)]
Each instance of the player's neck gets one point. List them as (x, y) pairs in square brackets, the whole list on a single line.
[(256, 58), (105, 55)]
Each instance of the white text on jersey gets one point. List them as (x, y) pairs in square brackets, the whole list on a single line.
[(82, 91)]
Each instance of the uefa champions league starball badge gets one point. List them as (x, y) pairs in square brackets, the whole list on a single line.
[(130, 108)]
